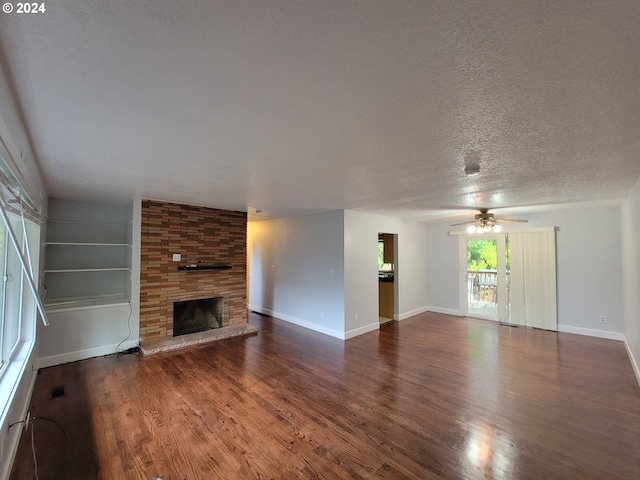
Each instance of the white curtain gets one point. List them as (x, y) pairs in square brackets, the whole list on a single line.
[(533, 279)]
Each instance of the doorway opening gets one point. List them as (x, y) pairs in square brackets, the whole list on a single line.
[(387, 285)]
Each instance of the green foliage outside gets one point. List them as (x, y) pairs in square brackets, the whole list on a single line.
[(482, 255)]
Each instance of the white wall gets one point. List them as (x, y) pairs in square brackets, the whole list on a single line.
[(78, 334), (296, 270), (631, 273), (361, 269), (589, 267)]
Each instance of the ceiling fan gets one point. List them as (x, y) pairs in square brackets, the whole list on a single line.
[(486, 222)]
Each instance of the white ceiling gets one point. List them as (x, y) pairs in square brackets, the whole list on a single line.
[(296, 107)]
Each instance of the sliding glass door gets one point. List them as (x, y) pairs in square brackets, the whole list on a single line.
[(485, 277), (510, 278)]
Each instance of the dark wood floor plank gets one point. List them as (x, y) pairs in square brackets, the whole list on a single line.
[(432, 397)]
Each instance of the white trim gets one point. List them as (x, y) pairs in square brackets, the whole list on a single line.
[(12, 442), (410, 313), (362, 330), (297, 321), (17, 405), (430, 308), (463, 298), (633, 361), (53, 360), (591, 332), (13, 375)]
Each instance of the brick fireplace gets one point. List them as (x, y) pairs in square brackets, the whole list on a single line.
[(203, 237)]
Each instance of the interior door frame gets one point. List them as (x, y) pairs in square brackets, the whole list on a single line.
[(396, 315)]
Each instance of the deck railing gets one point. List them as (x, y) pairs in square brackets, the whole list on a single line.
[(482, 285)]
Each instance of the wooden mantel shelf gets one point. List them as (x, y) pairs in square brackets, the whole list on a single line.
[(205, 267)]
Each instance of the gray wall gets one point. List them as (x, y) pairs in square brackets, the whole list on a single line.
[(442, 264), (631, 273), (296, 270)]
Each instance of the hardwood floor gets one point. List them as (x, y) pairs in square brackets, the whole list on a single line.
[(433, 396)]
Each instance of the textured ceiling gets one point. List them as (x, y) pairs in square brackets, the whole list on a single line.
[(305, 106)]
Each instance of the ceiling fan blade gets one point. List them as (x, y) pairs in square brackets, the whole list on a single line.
[(486, 218), (462, 223)]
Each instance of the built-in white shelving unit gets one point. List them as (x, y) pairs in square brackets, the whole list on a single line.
[(91, 272), (88, 255)]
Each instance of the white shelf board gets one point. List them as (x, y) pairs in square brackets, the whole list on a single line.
[(81, 303), (87, 244), (73, 270), (82, 222)]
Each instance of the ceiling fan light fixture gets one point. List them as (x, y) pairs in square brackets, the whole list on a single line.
[(484, 226), (485, 222)]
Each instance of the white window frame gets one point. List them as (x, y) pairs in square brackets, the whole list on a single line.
[(21, 253)]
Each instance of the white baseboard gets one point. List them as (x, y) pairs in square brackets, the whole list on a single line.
[(301, 323), (53, 360), (362, 330), (446, 311), (591, 332), (427, 308), (633, 360), (410, 313)]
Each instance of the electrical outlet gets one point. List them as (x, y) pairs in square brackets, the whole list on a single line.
[(177, 257), (357, 317), (603, 319)]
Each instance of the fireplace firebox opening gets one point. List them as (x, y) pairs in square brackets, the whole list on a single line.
[(199, 315)]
